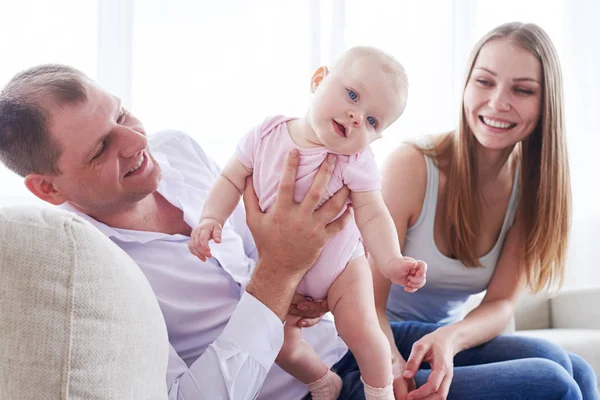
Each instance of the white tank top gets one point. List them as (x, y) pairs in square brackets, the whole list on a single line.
[(449, 282)]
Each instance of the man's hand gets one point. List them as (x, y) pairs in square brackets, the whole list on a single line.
[(310, 311), (436, 349), (291, 236)]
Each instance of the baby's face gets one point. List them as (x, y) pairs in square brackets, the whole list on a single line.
[(353, 105)]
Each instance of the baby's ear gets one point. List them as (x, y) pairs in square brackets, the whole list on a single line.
[(318, 77)]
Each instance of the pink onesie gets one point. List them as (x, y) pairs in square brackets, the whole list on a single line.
[(264, 149)]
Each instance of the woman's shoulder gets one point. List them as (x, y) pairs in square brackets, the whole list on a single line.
[(404, 177), (410, 157)]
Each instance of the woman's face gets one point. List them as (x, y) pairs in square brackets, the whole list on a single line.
[(503, 95)]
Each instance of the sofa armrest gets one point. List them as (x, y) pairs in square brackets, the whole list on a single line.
[(576, 309)]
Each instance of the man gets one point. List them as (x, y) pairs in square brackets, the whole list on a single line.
[(76, 146)]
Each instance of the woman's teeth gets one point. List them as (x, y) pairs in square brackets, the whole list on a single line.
[(498, 124), (138, 165)]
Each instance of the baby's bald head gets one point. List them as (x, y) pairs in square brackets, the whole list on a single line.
[(380, 61)]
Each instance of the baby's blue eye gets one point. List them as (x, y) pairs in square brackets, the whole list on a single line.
[(371, 121), (352, 94)]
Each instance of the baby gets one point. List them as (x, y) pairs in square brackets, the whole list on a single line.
[(353, 104)]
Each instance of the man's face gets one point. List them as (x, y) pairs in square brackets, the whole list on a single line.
[(105, 165)]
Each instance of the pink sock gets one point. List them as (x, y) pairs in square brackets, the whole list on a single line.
[(328, 387), (384, 393)]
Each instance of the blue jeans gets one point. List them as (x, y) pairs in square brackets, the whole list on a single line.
[(506, 367)]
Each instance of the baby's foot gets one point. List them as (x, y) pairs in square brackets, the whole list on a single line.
[(326, 388)]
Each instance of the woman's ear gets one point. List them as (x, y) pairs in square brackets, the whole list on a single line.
[(42, 187), (318, 77)]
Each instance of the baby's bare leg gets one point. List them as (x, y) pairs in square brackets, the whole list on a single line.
[(297, 357), (353, 306), (300, 360)]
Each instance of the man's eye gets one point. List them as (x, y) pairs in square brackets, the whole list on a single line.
[(101, 151), (122, 116)]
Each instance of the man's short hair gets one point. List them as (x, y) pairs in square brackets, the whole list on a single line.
[(26, 145)]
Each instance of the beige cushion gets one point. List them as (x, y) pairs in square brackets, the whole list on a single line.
[(78, 320), (583, 342), (533, 312)]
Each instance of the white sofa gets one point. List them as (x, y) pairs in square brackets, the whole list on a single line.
[(78, 319), (569, 318)]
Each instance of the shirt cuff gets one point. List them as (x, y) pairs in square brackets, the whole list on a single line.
[(256, 329)]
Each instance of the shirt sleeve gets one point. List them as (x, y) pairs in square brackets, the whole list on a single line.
[(236, 364), (362, 174), (247, 145)]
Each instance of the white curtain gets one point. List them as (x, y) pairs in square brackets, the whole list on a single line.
[(214, 69)]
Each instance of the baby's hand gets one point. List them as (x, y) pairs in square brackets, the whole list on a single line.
[(207, 229), (407, 272)]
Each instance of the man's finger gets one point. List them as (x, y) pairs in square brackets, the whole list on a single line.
[(308, 322), (333, 206), (287, 182), (317, 188), (336, 226)]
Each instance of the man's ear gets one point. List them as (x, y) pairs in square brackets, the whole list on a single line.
[(318, 77), (42, 187)]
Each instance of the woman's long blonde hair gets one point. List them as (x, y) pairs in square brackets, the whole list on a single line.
[(545, 199)]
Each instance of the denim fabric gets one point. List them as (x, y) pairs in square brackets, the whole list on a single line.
[(507, 367)]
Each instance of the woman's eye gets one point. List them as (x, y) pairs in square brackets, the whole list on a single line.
[(352, 94), (484, 82), (523, 91), (372, 121)]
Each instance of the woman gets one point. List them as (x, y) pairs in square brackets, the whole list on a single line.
[(475, 205)]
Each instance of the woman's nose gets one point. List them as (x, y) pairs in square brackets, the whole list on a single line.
[(499, 101)]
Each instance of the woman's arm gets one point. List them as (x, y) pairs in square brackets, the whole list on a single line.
[(490, 318), (482, 324)]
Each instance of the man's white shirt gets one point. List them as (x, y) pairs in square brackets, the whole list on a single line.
[(223, 341)]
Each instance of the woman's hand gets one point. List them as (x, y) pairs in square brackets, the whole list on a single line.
[(402, 386), (311, 311), (437, 349)]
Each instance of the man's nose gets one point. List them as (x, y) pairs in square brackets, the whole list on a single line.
[(131, 141)]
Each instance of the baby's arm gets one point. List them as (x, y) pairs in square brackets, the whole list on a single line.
[(381, 239), (222, 199)]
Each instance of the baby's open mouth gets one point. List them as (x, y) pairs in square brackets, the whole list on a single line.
[(340, 128)]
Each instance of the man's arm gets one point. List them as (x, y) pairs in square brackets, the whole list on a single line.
[(288, 239)]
